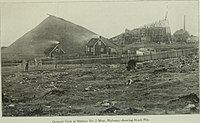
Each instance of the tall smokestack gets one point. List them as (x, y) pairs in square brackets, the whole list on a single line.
[(184, 22)]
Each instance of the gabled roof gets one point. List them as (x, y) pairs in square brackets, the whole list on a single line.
[(106, 41), (92, 41)]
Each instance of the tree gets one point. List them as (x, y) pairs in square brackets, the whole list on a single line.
[(181, 36)]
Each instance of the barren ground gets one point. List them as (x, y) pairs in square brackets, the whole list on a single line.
[(101, 89)]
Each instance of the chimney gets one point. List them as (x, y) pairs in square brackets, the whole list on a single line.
[(184, 23)]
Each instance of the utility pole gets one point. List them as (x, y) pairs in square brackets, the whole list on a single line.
[(184, 22), (166, 12)]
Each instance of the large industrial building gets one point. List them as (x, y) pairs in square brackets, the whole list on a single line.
[(158, 32)]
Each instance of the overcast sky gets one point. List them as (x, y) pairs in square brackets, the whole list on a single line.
[(104, 18)]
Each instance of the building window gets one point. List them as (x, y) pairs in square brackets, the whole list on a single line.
[(88, 49), (99, 42), (102, 49), (56, 50), (92, 49)]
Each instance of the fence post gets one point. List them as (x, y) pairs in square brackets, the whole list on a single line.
[(182, 52), (177, 53), (167, 55), (151, 56)]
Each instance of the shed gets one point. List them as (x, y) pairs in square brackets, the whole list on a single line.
[(145, 51)]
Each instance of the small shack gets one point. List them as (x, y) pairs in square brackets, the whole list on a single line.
[(54, 50), (145, 51)]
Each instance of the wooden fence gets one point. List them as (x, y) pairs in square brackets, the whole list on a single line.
[(165, 55), (125, 58), (112, 59)]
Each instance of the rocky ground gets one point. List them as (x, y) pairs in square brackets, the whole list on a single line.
[(155, 87)]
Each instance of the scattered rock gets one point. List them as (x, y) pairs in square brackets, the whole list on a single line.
[(106, 103), (48, 106), (113, 103), (5, 98), (114, 66), (37, 112), (89, 88), (134, 110), (112, 109), (129, 82), (191, 97), (11, 105), (190, 106), (73, 110), (160, 70), (56, 92)]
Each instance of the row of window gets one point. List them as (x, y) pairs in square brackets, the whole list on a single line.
[(89, 49)]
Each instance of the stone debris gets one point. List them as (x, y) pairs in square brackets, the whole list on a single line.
[(89, 88), (191, 97), (57, 92), (191, 106), (71, 87), (48, 106), (112, 109), (39, 111), (75, 110), (11, 105), (156, 71), (114, 66), (134, 110), (106, 103), (5, 98), (188, 103), (129, 82)]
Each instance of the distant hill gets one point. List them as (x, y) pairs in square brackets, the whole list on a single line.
[(72, 38)]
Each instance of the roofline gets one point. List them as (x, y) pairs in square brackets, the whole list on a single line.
[(55, 48)]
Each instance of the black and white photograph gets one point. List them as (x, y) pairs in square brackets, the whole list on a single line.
[(99, 58)]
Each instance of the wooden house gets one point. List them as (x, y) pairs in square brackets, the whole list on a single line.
[(100, 46)]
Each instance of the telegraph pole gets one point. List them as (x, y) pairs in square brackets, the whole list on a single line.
[(184, 22)]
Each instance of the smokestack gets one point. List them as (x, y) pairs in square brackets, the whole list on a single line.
[(184, 22)]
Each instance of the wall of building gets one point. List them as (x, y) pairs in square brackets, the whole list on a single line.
[(100, 48), (153, 34)]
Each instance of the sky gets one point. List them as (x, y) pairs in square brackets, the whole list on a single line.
[(104, 18)]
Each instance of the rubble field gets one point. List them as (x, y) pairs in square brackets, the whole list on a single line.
[(168, 86)]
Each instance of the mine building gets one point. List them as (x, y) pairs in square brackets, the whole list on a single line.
[(100, 46), (157, 32)]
